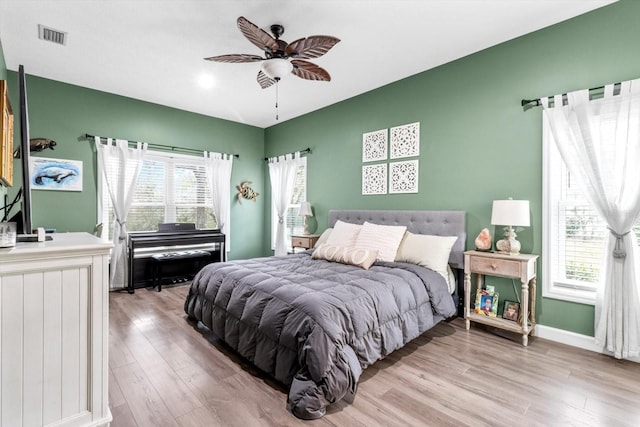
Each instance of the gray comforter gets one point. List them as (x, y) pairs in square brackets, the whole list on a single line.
[(314, 324)]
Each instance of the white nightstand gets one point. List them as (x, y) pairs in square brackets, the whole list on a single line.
[(523, 267)]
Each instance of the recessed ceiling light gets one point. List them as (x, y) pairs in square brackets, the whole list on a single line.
[(206, 81)]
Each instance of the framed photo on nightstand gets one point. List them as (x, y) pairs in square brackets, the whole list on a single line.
[(486, 303), (511, 311)]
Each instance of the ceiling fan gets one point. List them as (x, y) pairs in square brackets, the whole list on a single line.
[(280, 57)]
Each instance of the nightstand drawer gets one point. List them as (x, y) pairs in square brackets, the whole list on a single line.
[(499, 267), (304, 241), (300, 242)]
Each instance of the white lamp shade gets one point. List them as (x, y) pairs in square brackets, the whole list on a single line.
[(510, 212), (305, 209), (276, 68)]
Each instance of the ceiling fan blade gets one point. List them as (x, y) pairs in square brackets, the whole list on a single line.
[(264, 80), (309, 71), (256, 35), (311, 47), (235, 58)]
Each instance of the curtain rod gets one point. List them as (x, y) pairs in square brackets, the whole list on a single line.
[(306, 150), (530, 103), (160, 147)]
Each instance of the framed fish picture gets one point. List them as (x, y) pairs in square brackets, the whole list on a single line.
[(55, 174)]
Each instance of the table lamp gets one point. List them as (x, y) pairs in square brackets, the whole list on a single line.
[(510, 213), (305, 211)]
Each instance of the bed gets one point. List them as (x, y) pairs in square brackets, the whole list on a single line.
[(314, 324)]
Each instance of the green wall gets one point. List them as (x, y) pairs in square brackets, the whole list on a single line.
[(64, 113), (477, 144), (3, 65)]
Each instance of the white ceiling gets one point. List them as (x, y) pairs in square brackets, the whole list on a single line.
[(153, 50)]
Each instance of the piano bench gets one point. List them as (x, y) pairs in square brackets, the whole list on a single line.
[(174, 257)]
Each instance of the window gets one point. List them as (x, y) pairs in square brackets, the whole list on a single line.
[(170, 188), (573, 233), (294, 223)]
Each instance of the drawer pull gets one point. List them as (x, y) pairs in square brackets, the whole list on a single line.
[(494, 266)]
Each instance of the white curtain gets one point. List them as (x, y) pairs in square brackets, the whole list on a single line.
[(128, 162), (282, 173), (218, 168), (599, 141)]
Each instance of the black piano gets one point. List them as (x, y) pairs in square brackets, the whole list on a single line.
[(169, 238)]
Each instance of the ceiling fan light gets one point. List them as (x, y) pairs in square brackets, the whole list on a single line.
[(276, 68)]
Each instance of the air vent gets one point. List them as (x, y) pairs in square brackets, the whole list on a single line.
[(51, 35)]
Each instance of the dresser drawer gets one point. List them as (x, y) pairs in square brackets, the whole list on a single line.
[(496, 267)]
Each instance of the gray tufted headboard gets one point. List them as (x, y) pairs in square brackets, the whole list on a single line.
[(440, 223)]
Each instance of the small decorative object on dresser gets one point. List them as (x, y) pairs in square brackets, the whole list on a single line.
[(7, 234), (306, 241), (484, 241)]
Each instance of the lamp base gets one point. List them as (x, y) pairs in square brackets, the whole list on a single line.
[(306, 226), (509, 245)]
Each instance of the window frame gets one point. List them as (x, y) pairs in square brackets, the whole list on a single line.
[(170, 160), (552, 287)]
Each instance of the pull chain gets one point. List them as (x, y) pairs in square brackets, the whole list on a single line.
[(277, 80)]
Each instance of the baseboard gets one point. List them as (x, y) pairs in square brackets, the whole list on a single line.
[(573, 339)]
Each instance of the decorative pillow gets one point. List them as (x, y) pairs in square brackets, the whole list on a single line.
[(344, 234), (383, 238), (323, 237), (428, 251), (344, 255), (451, 279)]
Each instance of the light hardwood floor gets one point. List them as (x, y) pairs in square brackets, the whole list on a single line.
[(166, 372)]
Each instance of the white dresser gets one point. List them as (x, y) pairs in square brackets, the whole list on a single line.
[(54, 332)]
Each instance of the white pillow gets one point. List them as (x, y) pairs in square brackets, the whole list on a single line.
[(344, 234), (383, 238), (428, 251), (354, 256), (451, 280), (323, 237)]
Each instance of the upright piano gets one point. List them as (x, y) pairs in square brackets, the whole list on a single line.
[(170, 237)]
